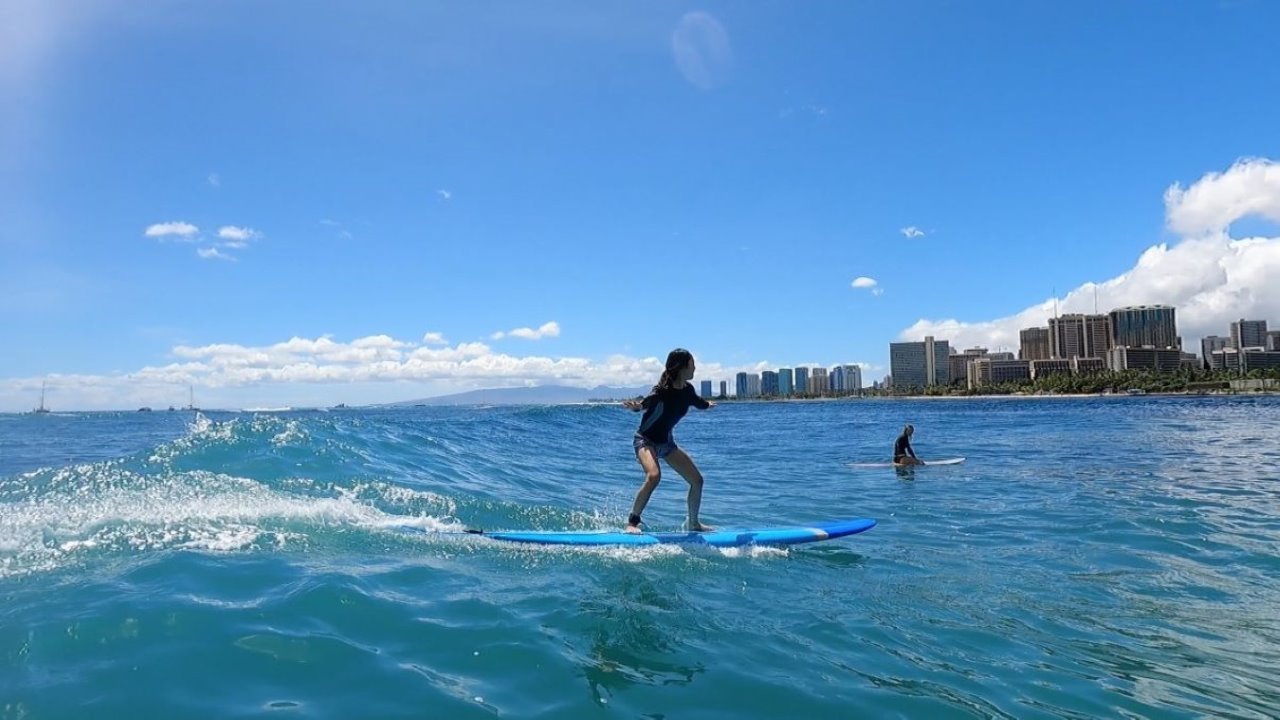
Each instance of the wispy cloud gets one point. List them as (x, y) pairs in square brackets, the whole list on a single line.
[(213, 253), (911, 231), (214, 180), (445, 195), (815, 110), (1210, 277), (434, 338), (341, 232), (177, 229), (701, 49), (550, 329)]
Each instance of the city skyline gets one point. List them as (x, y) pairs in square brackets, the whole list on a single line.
[(1126, 338), (560, 194)]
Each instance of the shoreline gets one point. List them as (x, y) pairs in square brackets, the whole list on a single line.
[(733, 401), (1009, 396)]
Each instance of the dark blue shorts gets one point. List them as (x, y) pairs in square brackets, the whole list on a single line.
[(661, 450)]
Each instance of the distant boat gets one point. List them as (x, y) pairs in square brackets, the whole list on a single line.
[(1137, 391), (42, 409), (191, 404), (144, 409)]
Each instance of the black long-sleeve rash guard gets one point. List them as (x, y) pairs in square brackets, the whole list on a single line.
[(664, 408)]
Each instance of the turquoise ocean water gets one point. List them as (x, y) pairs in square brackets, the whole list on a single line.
[(1105, 557)]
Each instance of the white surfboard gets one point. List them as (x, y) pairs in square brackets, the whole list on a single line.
[(948, 461)]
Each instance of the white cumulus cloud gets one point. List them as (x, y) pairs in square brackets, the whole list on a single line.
[(1210, 277), (866, 283), (1250, 187), (304, 370), (911, 231), (176, 229), (237, 234), (434, 338)]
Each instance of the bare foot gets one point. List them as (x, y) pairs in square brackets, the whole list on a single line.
[(634, 529), (699, 527)]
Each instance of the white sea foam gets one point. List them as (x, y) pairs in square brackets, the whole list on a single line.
[(104, 507)]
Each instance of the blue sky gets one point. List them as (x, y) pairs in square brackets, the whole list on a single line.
[(311, 203)]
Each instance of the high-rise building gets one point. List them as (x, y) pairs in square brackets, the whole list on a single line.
[(1078, 335), (724, 388), (1273, 339), (819, 383), (920, 364), (802, 380), (958, 363), (740, 385), (1151, 326), (853, 378), (1208, 346), (846, 380), (706, 388), (1033, 344), (786, 382), (769, 383), (1248, 334)]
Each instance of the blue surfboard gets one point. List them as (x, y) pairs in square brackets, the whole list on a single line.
[(816, 532)]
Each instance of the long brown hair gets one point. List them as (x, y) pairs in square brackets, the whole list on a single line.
[(677, 360)]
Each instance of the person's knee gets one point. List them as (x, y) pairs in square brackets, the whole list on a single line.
[(653, 477)]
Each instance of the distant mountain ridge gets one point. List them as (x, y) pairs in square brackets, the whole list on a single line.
[(538, 395)]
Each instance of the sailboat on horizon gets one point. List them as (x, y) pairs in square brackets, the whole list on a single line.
[(42, 409)]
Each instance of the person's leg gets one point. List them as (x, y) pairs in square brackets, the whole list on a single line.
[(683, 464), (652, 476)]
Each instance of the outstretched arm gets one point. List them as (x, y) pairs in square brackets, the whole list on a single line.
[(637, 404), (697, 400)]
